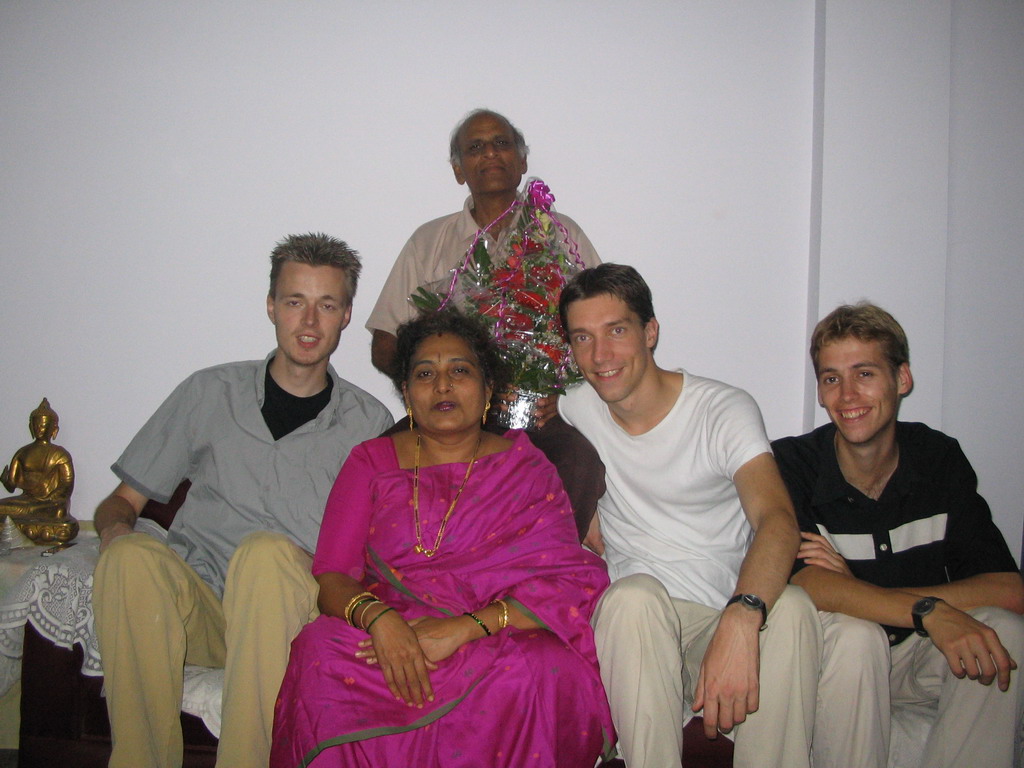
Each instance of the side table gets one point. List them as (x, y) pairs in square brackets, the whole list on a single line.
[(13, 568)]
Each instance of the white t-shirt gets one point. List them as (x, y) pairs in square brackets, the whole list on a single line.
[(671, 509)]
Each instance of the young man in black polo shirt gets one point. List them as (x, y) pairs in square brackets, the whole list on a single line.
[(919, 593)]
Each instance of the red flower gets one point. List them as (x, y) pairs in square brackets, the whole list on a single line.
[(509, 278), (531, 246), (517, 320), (554, 353), (531, 300), (548, 275)]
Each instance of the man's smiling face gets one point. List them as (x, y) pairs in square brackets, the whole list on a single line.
[(859, 389), (613, 349)]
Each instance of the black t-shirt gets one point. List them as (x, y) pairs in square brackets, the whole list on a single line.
[(284, 412)]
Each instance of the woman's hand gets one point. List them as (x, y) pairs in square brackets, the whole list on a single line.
[(438, 638), (405, 666)]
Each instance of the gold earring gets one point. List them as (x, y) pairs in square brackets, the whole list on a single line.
[(408, 410), (486, 409)]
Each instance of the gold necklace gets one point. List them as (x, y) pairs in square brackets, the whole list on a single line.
[(419, 548)]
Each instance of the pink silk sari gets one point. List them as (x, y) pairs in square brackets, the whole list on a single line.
[(520, 697)]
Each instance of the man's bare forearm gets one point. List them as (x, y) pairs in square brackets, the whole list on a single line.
[(769, 560), (1001, 590), (111, 510), (122, 506), (766, 503), (839, 593)]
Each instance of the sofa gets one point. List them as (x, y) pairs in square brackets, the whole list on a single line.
[(64, 716)]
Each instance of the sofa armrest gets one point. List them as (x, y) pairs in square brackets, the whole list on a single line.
[(164, 513)]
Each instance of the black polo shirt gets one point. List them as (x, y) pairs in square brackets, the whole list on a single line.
[(928, 527)]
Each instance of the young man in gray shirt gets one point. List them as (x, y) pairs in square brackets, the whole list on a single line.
[(261, 443)]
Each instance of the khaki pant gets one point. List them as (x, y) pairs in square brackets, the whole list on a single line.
[(651, 646), (863, 680), (154, 614)]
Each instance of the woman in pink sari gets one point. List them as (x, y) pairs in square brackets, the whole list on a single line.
[(454, 594)]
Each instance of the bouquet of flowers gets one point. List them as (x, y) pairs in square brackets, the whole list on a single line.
[(516, 292)]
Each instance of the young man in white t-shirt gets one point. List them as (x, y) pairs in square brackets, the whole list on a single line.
[(699, 535)]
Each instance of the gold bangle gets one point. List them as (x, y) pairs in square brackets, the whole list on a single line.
[(503, 619), (352, 604), (365, 605), (475, 618)]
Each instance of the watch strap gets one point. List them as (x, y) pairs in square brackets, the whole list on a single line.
[(922, 608), (754, 599)]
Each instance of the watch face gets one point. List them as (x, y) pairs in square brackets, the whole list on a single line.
[(924, 606), (752, 601)]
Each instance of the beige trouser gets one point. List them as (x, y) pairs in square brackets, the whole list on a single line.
[(651, 646), (154, 614), (862, 679)]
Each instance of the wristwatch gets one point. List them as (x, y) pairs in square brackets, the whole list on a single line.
[(753, 603), (922, 608)]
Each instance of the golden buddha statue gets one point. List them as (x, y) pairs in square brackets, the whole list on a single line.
[(46, 476)]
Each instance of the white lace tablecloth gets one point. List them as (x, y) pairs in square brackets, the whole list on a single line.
[(55, 596)]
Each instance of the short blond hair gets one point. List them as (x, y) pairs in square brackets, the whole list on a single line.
[(864, 321), (317, 250)]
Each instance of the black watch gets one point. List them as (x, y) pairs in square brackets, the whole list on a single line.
[(922, 608), (753, 603)]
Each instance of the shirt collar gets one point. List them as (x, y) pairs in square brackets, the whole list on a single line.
[(468, 228), (831, 485), (324, 415)]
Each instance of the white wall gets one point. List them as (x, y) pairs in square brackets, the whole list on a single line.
[(153, 153), (922, 192), (885, 174), (984, 366)]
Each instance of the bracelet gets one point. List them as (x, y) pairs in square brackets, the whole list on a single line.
[(477, 620), (503, 619), (365, 605), (364, 601), (352, 604), (374, 620)]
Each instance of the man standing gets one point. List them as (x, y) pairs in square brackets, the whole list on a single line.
[(488, 154), (261, 442), (921, 594), (699, 536)]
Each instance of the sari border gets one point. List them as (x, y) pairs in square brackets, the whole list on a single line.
[(528, 613), (389, 730), (388, 575)]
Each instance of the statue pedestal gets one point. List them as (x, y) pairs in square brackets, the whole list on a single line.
[(48, 530)]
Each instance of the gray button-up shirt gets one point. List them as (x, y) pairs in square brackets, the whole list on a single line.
[(210, 430)]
